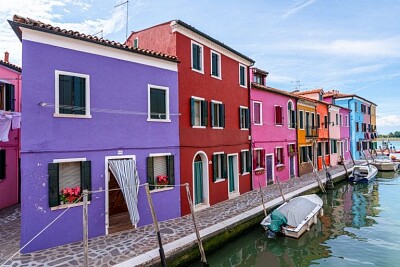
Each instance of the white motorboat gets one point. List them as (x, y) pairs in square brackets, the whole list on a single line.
[(384, 164), (294, 217), (363, 173)]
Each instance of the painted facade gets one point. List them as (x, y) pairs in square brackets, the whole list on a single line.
[(374, 134), (334, 134), (274, 142), (116, 122), (10, 95), (323, 135), (345, 133), (214, 111)]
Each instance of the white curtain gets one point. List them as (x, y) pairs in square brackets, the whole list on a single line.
[(125, 172)]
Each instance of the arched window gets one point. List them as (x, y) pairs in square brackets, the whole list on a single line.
[(291, 115)]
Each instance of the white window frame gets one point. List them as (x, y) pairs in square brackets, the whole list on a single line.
[(166, 89), (261, 159), (201, 57), (137, 42), (347, 120), (219, 179), (347, 144), (261, 118), (245, 129), (278, 125), (301, 116), (216, 127), (283, 155), (57, 113), (245, 75), (241, 157), (219, 65), (196, 98), (289, 117)]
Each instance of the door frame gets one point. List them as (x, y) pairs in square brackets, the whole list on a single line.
[(273, 169), (206, 186), (106, 181), (235, 173), (294, 167)]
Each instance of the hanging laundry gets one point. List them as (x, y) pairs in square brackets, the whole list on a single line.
[(5, 124), (16, 120)]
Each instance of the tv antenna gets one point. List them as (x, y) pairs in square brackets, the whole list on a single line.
[(101, 34), (298, 85), (127, 9)]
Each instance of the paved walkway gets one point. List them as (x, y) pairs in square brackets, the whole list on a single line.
[(141, 243)]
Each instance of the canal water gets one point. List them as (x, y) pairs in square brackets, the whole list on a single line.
[(361, 226)]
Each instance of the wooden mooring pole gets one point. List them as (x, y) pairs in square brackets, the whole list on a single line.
[(153, 214), (262, 199), (199, 242), (280, 188), (352, 159), (85, 193)]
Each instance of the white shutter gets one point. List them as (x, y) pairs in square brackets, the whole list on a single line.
[(160, 166), (69, 174)]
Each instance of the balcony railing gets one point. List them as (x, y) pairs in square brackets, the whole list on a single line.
[(311, 131)]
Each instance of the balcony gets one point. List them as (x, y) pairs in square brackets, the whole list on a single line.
[(311, 131)]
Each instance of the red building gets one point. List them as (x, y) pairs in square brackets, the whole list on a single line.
[(213, 111)]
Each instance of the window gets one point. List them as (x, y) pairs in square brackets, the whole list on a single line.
[(160, 171), (363, 108), (199, 112), (278, 115), (357, 127), (136, 42), (69, 175), (346, 144), (2, 164), (72, 95), (305, 153), (244, 118), (158, 109), (363, 127), (326, 122), (217, 114), (215, 65), (259, 79), (346, 120), (301, 119), (197, 57), (341, 120), (219, 166), (7, 101), (257, 114), (242, 75), (333, 146), (319, 149), (245, 161), (358, 146), (291, 115), (369, 110), (292, 150), (279, 157), (313, 121), (355, 106), (318, 120), (326, 148), (258, 159)]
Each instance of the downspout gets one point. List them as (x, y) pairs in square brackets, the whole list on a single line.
[(350, 132), (329, 136), (250, 136), (19, 138), (297, 140)]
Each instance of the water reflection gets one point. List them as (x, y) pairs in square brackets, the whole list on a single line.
[(351, 213)]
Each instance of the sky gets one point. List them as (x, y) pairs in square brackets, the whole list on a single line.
[(350, 46)]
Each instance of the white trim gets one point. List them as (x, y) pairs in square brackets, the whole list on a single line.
[(96, 49), (316, 120), (106, 181), (261, 117), (166, 89), (216, 102), (206, 186), (218, 153), (198, 98), (235, 174), (219, 180), (241, 128), (273, 167), (201, 57), (279, 125), (57, 113), (137, 42), (71, 205), (245, 75), (68, 160), (219, 65), (289, 118), (199, 127), (241, 163), (159, 154)]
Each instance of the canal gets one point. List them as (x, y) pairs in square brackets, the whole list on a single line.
[(361, 226)]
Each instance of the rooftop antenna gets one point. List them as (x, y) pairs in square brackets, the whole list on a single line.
[(127, 9), (298, 85), (101, 34)]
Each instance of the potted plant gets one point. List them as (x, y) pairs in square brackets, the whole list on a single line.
[(162, 180), (70, 195)]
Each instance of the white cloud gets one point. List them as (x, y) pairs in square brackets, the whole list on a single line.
[(297, 7), (388, 120)]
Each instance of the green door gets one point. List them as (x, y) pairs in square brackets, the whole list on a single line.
[(231, 175), (198, 182)]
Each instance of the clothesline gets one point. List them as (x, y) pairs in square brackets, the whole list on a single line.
[(8, 119)]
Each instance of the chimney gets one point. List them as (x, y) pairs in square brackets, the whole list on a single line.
[(6, 56)]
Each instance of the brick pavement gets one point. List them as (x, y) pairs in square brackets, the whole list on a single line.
[(120, 247)]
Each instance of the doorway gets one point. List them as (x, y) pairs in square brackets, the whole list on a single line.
[(269, 168), (233, 178), (198, 180), (292, 167)]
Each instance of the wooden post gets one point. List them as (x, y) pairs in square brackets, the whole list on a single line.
[(352, 159), (345, 168), (202, 253), (85, 193), (153, 214), (280, 189), (262, 199), (365, 158)]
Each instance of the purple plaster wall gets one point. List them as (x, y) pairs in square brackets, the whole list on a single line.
[(114, 85)]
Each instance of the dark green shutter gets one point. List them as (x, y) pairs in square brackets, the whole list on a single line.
[(248, 161), (224, 166), (215, 169), (2, 164), (212, 114), (247, 126), (222, 115), (170, 170), (10, 95), (195, 56), (150, 172), (54, 190), (192, 111), (86, 177), (204, 117), (242, 159)]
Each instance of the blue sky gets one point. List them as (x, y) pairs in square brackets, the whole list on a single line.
[(351, 46)]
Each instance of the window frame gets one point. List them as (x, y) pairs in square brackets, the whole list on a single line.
[(221, 108), (260, 158), (167, 114), (171, 180), (201, 63), (301, 119), (279, 124), (219, 76), (245, 162), (246, 118), (261, 118), (291, 121), (57, 113), (221, 166), (202, 113), (245, 75), (277, 155)]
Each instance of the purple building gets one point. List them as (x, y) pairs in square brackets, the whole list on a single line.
[(97, 115)]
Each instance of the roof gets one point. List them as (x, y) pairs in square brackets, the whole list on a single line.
[(10, 66), (273, 90), (313, 91), (193, 29), (28, 23), (257, 70), (337, 94)]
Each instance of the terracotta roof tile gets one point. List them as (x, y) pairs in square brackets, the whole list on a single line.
[(257, 70), (313, 91), (10, 66), (19, 21), (273, 90)]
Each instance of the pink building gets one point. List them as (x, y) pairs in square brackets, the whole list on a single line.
[(273, 129), (344, 118), (334, 134), (10, 89)]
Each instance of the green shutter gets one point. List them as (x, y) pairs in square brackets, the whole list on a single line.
[(215, 169), (212, 114), (222, 115), (242, 159), (204, 117), (224, 166), (192, 111), (248, 161), (195, 57), (10, 101), (247, 126), (2, 164), (86, 177), (240, 118), (54, 190), (150, 172), (170, 170)]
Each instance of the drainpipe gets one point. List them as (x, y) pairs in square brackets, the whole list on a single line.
[(297, 140), (329, 136), (250, 128), (350, 133)]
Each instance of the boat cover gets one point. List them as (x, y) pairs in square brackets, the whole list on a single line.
[(296, 210), (277, 220)]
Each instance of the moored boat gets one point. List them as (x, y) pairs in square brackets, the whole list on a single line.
[(363, 173), (384, 165), (294, 217)]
